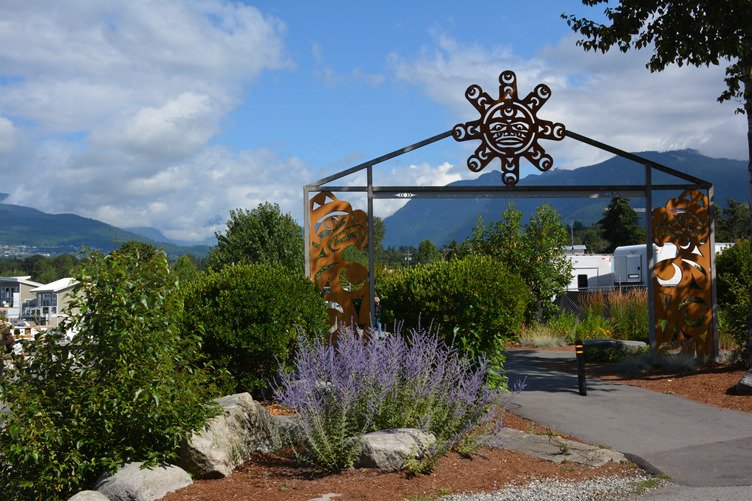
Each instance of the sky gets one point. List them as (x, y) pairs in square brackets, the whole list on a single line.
[(169, 114)]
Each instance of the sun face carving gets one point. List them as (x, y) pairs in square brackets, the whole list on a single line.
[(509, 128)]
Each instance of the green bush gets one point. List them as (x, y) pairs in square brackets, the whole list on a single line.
[(125, 388), (475, 302), (249, 316), (734, 280)]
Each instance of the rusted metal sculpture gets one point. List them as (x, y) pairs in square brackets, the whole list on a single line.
[(509, 128), (683, 298), (334, 227)]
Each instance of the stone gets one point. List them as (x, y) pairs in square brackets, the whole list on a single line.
[(744, 386), (132, 483), (551, 447), (391, 449), (227, 440), (89, 496), (289, 430)]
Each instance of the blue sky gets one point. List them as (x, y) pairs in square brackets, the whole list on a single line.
[(172, 113)]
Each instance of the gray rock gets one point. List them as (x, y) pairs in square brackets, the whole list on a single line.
[(623, 344), (744, 386), (131, 483), (289, 430), (228, 439), (89, 496), (390, 449), (552, 448)]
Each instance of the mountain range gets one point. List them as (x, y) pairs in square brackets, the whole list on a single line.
[(446, 219), (68, 233)]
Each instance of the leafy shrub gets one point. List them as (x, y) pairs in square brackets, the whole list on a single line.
[(593, 326), (475, 302), (249, 316), (358, 387), (125, 388), (734, 272)]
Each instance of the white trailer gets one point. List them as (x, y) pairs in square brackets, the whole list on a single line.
[(592, 271), (630, 262)]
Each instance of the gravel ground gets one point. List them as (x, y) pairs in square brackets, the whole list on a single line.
[(603, 488)]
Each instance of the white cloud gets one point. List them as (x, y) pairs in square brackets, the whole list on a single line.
[(7, 136), (119, 102), (611, 97)]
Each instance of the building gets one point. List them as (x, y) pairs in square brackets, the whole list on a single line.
[(14, 291), (50, 302)]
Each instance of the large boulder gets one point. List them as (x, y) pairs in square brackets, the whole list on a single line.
[(133, 483), (228, 439), (390, 449), (89, 496), (744, 386)]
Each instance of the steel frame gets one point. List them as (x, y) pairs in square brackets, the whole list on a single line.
[(632, 191)]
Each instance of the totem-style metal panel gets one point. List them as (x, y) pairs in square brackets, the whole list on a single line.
[(335, 227), (509, 128), (683, 283)]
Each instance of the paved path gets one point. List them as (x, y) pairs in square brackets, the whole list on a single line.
[(697, 445)]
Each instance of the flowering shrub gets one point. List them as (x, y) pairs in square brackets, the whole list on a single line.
[(413, 381)]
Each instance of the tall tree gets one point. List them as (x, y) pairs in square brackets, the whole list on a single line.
[(733, 222), (621, 224), (534, 253), (262, 235), (427, 252), (700, 33)]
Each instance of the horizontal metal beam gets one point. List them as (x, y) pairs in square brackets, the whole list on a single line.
[(632, 191)]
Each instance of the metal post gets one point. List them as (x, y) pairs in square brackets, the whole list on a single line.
[(713, 294), (307, 231), (651, 257), (579, 350), (371, 269)]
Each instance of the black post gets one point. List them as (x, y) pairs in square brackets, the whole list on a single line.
[(579, 349)]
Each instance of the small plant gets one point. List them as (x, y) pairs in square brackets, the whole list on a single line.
[(541, 335), (355, 387)]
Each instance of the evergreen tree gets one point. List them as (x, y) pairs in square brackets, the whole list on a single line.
[(621, 224)]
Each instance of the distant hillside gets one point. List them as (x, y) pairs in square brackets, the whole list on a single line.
[(67, 233), (157, 236), (442, 220)]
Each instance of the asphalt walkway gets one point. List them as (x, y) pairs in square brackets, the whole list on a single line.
[(697, 445)]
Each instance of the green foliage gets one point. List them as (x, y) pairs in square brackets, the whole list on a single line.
[(186, 268), (733, 222), (621, 224), (125, 388), (734, 283), (262, 235), (249, 316), (477, 299), (534, 254), (135, 250), (42, 269), (629, 314), (427, 253)]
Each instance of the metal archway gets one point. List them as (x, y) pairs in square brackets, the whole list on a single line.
[(342, 224)]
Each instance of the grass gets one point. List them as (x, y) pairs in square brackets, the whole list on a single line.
[(541, 336), (650, 483)]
